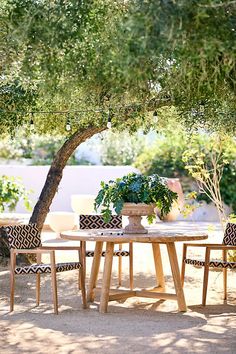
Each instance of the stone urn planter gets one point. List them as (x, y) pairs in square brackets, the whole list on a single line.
[(135, 195), (135, 212)]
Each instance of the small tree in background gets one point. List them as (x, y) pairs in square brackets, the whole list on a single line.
[(165, 157), (205, 160)]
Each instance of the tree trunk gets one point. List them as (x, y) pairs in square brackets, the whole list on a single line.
[(4, 246), (55, 173)]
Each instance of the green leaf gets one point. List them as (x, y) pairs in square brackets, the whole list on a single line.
[(135, 188), (118, 206)]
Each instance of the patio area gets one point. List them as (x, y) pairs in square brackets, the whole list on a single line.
[(135, 325), (129, 108)]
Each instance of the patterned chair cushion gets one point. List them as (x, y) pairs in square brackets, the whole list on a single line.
[(46, 268), (213, 263), (230, 235), (23, 236), (121, 253), (96, 222)]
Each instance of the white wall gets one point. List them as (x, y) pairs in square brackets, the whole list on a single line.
[(83, 180), (76, 180)]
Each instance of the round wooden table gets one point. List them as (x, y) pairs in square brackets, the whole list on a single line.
[(155, 237)]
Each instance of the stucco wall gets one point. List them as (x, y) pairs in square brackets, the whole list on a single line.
[(76, 180), (84, 180)]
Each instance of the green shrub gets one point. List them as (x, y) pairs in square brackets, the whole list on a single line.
[(11, 192), (121, 148), (36, 149), (165, 159)]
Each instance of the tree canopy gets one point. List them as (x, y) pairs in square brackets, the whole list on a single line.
[(187, 50), (81, 55)]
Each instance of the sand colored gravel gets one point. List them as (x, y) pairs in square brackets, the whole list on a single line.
[(137, 325)]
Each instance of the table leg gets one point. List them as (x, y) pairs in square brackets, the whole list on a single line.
[(176, 276), (82, 259), (131, 267), (94, 271), (158, 265), (106, 277)]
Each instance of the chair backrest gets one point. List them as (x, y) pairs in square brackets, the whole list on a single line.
[(230, 235), (23, 236), (96, 222)]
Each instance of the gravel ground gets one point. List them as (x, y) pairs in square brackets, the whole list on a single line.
[(137, 325)]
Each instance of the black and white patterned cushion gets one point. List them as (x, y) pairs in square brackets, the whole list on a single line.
[(229, 240), (212, 264), (119, 253), (97, 222), (230, 235), (23, 236), (46, 268)]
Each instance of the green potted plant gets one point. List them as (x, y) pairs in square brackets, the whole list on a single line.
[(135, 195), (11, 192)]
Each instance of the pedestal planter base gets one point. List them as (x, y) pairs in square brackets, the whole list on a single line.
[(135, 226), (135, 213)]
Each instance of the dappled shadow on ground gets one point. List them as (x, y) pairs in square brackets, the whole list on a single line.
[(135, 325), (130, 330)]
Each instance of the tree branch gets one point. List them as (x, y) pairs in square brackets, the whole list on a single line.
[(222, 4), (55, 173)]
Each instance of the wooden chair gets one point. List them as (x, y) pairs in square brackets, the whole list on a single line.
[(229, 243), (25, 239), (96, 222)]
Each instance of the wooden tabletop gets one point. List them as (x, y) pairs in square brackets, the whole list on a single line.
[(117, 235)]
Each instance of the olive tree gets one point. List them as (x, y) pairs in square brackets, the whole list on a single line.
[(56, 75), (94, 59)]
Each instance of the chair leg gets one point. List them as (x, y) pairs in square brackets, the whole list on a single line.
[(183, 264), (225, 282), (119, 266), (131, 268), (225, 275), (54, 282), (12, 280), (79, 281), (39, 258), (206, 274), (37, 289)]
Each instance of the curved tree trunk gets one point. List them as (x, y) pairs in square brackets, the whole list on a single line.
[(4, 246), (56, 171)]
